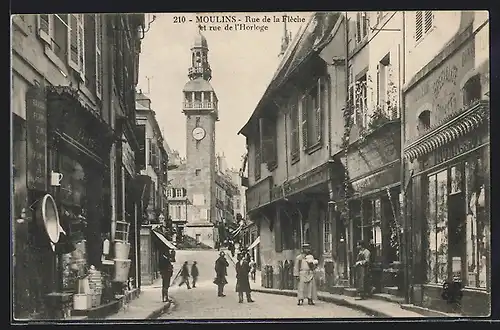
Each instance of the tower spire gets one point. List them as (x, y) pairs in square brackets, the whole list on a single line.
[(200, 68)]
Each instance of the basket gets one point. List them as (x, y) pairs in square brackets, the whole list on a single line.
[(122, 250), (122, 267)]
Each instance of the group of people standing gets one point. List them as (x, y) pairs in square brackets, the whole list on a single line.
[(245, 267)]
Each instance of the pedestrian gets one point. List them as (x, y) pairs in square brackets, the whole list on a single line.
[(362, 271), (231, 248), (253, 268), (242, 281), (166, 270), (304, 271), (185, 275), (372, 248), (194, 273), (221, 265), (217, 245)]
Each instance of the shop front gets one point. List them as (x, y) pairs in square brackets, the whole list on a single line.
[(450, 205), (79, 143), (373, 206)]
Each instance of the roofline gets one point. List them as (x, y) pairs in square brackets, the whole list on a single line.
[(269, 91)]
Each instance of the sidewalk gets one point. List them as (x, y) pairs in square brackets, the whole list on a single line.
[(377, 308), (147, 306)]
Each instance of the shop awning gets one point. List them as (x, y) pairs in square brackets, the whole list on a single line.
[(255, 243), (456, 128), (164, 240)]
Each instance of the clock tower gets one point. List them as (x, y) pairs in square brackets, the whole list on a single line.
[(200, 108)]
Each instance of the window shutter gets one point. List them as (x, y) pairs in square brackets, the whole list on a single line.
[(319, 110), (268, 140), (304, 109), (98, 55), (44, 26), (76, 51), (184, 192), (418, 25), (428, 21)]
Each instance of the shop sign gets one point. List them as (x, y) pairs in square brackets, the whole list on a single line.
[(310, 179), (128, 158), (458, 147), (36, 124), (441, 89)]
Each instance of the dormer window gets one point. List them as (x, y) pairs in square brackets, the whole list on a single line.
[(472, 90), (424, 121)]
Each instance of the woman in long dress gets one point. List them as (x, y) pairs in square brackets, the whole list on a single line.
[(304, 271)]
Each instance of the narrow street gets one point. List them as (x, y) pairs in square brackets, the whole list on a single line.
[(202, 302)]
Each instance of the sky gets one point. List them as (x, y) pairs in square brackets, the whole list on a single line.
[(242, 62)]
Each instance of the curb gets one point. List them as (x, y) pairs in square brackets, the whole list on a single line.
[(159, 311), (336, 301)]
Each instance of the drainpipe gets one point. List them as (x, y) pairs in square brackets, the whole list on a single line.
[(405, 223), (347, 233), (113, 171)]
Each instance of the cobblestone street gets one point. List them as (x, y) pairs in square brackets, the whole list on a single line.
[(202, 302)]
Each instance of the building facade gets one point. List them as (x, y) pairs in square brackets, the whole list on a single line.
[(290, 143), (73, 83), (151, 162), (446, 154)]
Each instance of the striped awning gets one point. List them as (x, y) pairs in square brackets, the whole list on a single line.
[(445, 135)]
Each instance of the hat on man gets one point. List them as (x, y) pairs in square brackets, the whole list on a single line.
[(306, 245), (221, 253)]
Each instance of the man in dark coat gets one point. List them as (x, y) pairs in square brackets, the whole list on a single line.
[(242, 281), (166, 270), (194, 273), (362, 270), (221, 265), (185, 275)]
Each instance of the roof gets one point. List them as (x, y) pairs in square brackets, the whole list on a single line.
[(198, 85), (200, 41), (311, 40)]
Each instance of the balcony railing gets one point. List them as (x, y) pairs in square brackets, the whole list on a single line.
[(198, 70), (200, 105)]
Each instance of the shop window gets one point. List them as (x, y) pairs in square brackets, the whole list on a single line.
[(472, 90), (73, 182), (437, 222), (424, 121), (477, 227)]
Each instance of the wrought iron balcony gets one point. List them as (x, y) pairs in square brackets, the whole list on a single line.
[(198, 70), (200, 105)]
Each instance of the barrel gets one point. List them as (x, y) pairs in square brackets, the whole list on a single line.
[(122, 250), (122, 267)]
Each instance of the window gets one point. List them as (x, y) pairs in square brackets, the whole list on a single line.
[(178, 192), (269, 142), (198, 238), (472, 90), (360, 99), (294, 131), (169, 193), (423, 23), (380, 16), (60, 42), (197, 172), (90, 49), (258, 159), (312, 113), (424, 121), (477, 229), (361, 26), (383, 83), (327, 236)]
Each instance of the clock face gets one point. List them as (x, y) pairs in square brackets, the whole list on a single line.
[(198, 133)]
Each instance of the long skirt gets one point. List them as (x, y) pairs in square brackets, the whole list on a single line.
[(307, 290), (363, 280)]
